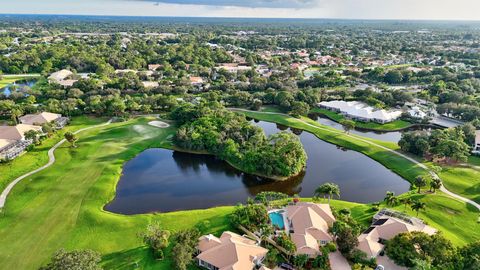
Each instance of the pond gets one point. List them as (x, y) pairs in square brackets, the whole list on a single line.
[(7, 90), (161, 180), (393, 136)]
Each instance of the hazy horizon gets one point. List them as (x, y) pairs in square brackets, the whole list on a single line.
[(460, 10)]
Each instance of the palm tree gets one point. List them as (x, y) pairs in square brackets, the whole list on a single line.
[(435, 184), (329, 189), (406, 201), (417, 206), (420, 182), (391, 199)]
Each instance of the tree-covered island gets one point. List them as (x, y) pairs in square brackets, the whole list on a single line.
[(212, 129)]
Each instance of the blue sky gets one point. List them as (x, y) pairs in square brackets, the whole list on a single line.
[(352, 9)]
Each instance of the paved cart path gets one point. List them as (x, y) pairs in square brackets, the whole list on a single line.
[(51, 160)]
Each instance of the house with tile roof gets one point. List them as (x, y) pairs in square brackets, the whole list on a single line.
[(12, 140), (229, 252), (308, 226), (44, 117), (386, 225)]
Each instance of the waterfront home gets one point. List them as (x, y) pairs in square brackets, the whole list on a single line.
[(13, 141), (386, 225), (229, 252), (307, 224), (360, 111), (44, 117)]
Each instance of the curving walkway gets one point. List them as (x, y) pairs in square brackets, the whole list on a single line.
[(51, 160), (359, 138)]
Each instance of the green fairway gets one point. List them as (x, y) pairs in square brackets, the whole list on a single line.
[(456, 220), (392, 126), (11, 79), (38, 156), (463, 181)]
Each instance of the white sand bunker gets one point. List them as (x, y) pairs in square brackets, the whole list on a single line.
[(158, 124)]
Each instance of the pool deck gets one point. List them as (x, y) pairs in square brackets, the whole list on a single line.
[(286, 224)]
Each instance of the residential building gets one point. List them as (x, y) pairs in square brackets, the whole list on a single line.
[(386, 225), (360, 111), (476, 147), (154, 67), (12, 140), (150, 85), (229, 252), (44, 117), (308, 225), (416, 112), (60, 77), (233, 67)]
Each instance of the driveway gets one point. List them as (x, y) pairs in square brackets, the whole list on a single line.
[(338, 262)]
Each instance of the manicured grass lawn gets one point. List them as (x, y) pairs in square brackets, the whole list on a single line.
[(463, 181), (11, 79), (395, 125), (38, 156), (456, 220), (6, 81), (397, 164)]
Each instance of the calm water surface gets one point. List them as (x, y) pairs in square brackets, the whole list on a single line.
[(7, 90), (160, 180)]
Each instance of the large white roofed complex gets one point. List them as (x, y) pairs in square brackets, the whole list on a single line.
[(360, 111)]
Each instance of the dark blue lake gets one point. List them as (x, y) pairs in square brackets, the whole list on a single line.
[(160, 180)]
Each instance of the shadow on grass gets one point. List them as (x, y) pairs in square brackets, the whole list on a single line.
[(136, 258)]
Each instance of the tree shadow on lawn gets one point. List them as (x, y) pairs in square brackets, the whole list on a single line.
[(136, 258)]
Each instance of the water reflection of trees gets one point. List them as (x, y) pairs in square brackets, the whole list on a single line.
[(254, 185)]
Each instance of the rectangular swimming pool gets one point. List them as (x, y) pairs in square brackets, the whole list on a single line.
[(277, 220)]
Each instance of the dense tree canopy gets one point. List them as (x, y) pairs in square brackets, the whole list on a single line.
[(232, 138)]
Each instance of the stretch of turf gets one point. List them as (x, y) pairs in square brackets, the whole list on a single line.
[(11, 79), (464, 181), (38, 156), (392, 126), (62, 206)]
